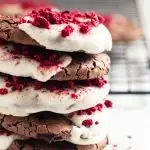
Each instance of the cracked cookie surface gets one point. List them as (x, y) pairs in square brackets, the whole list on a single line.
[(41, 145), (47, 126)]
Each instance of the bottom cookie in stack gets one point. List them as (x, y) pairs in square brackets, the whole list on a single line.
[(9, 141), (46, 130), (32, 144)]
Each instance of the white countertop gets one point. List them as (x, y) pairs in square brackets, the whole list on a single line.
[(129, 126)]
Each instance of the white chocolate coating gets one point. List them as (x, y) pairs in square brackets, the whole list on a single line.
[(97, 40), (30, 100), (89, 135), (27, 67)]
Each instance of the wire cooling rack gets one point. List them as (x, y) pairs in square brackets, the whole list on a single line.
[(130, 71)]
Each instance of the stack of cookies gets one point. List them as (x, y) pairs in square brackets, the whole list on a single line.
[(52, 84)]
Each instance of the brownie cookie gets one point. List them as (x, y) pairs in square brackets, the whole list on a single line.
[(85, 67), (41, 145), (48, 126), (10, 32), (52, 127)]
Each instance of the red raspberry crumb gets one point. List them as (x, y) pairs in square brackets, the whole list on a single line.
[(3, 91), (87, 123), (108, 103), (67, 31), (41, 22), (99, 82), (74, 96), (91, 110), (8, 84), (19, 87), (84, 29), (96, 122), (6, 78)]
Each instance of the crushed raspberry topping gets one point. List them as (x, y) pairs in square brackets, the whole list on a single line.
[(41, 22), (3, 91), (19, 83), (84, 29), (91, 110), (74, 96), (108, 104), (67, 31), (88, 111), (46, 58), (43, 18), (87, 123)]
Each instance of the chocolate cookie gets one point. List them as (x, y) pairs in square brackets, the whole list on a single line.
[(10, 32), (85, 66), (41, 145), (48, 126)]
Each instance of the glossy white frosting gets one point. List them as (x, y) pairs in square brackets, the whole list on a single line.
[(27, 67), (90, 135), (30, 100), (95, 41)]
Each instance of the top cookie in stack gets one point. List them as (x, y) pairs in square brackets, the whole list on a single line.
[(52, 61)]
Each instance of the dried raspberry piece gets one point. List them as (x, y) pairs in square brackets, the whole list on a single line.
[(22, 20), (87, 123), (96, 122), (67, 31), (84, 29), (108, 103), (19, 87), (6, 78), (8, 84), (41, 22), (99, 82), (99, 107), (74, 96), (3, 91)]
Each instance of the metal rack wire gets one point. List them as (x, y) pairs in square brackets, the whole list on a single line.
[(130, 71)]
